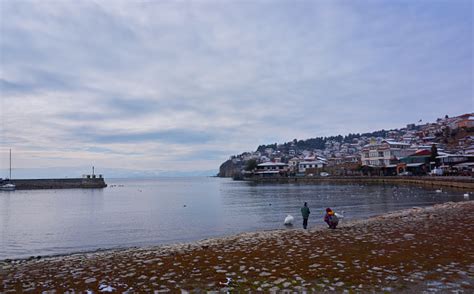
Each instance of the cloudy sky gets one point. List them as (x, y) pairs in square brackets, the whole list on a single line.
[(181, 85)]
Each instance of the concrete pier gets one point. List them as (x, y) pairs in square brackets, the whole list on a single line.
[(72, 183)]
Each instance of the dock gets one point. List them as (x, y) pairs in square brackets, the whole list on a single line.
[(65, 183)]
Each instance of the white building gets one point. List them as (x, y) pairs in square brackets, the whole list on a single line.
[(304, 165), (385, 153), (271, 169)]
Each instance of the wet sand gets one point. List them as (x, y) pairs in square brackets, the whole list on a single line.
[(419, 249)]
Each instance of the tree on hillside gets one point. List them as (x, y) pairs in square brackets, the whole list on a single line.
[(320, 142), (434, 154), (251, 165)]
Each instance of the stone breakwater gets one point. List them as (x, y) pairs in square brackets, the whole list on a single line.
[(420, 249), (72, 183)]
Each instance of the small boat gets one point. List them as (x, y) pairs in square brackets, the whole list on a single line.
[(7, 187)]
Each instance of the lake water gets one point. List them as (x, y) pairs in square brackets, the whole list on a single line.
[(169, 210)]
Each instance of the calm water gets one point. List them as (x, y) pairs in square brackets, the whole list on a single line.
[(151, 212)]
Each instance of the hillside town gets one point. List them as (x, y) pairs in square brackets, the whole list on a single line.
[(444, 147)]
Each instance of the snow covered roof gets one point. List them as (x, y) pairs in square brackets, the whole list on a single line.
[(395, 143), (444, 154), (422, 152), (465, 164), (272, 164), (414, 164), (313, 162), (268, 172)]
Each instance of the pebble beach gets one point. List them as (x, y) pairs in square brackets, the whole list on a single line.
[(414, 250)]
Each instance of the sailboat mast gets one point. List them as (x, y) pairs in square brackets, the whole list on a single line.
[(10, 164)]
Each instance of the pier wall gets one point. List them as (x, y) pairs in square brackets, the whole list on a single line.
[(454, 182), (73, 183)]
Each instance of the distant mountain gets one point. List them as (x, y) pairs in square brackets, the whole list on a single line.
[(77, 172)]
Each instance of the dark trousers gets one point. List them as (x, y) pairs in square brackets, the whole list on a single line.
[(332, 225), (305, 223)]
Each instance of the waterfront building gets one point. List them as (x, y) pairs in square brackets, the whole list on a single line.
[(453, 159), (305, 165), (384, 154), (293, 164), (271, 169), (417, 163)]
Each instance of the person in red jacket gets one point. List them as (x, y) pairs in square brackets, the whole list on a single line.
[(330, 218)]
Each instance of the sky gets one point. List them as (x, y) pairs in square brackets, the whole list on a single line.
[(179, 86)]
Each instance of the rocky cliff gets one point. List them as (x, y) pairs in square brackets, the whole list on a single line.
[(230, 169)]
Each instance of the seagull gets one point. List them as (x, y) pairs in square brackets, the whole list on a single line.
[(340, 215), (466, 195), (289, 220), (439, 191)]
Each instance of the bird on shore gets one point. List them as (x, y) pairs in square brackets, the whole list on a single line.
[(340, 215), (227, 283), (439, 191), (466, 195), (289, 220)]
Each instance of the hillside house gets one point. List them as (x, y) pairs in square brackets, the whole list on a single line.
[(305, 165), (465, 121), (385, 153)]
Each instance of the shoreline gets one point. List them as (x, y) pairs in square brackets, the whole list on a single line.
[(427, 181), (224, 237), (399, 251)]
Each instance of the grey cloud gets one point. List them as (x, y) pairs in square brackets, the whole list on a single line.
[(240, 72), (176, 136)]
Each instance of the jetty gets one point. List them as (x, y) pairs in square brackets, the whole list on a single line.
[(88, 181), (65, 183)]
